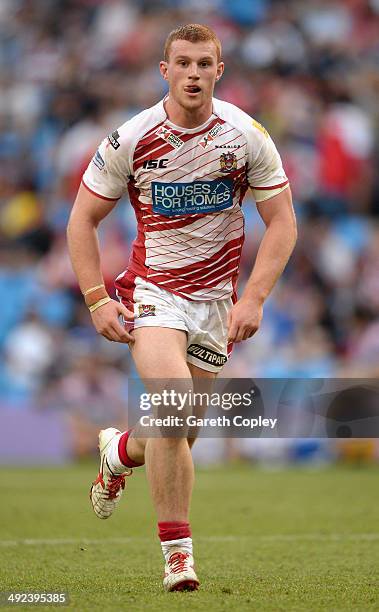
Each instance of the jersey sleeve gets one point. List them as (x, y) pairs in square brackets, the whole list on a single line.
[(107, 174), (266, 175)]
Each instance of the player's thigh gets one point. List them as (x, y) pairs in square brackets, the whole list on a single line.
[(203, 384), (202, 379), (160, 352)]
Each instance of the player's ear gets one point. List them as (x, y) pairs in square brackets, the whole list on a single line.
[(163, 69), (220, 70)]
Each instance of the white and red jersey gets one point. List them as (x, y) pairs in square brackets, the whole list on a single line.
[(186, 187)]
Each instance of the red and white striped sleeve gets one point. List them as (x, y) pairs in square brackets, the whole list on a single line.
[(266, 175), (107, 174)]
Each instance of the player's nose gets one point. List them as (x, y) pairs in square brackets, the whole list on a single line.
[(193, 71)]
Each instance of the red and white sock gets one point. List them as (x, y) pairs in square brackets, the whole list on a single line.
[(117, 456), (174, 534)]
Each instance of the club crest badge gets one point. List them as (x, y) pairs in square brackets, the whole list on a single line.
[(228, 162), (146, 310)]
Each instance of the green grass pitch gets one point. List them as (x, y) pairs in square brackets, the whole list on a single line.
[(294, 539)]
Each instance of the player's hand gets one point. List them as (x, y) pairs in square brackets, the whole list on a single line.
[(244, 319), (107, 323)]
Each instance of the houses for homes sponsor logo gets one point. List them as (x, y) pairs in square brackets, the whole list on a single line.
[(189, 198)]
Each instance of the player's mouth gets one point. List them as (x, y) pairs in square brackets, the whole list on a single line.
[(192, 90)]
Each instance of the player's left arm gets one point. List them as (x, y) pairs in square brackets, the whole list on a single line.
[(273, 254)]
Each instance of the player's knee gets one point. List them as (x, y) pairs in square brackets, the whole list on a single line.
[(172, 441)]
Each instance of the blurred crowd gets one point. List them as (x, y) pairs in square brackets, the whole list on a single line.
[(71, 71)]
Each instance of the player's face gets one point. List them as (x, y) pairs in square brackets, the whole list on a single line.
[(192, 71)]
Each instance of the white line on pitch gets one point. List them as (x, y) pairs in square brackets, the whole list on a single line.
[(285, 537)]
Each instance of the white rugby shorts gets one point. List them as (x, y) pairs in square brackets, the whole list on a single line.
[(204, 322)]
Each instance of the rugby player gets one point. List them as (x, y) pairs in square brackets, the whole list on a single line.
[(186, 164)]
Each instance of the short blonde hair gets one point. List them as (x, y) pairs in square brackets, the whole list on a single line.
[(193, 32)]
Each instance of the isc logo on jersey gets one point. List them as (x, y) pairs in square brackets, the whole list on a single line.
[(191, 198)]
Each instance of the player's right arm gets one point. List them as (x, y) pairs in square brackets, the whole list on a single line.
[(88, 211)]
